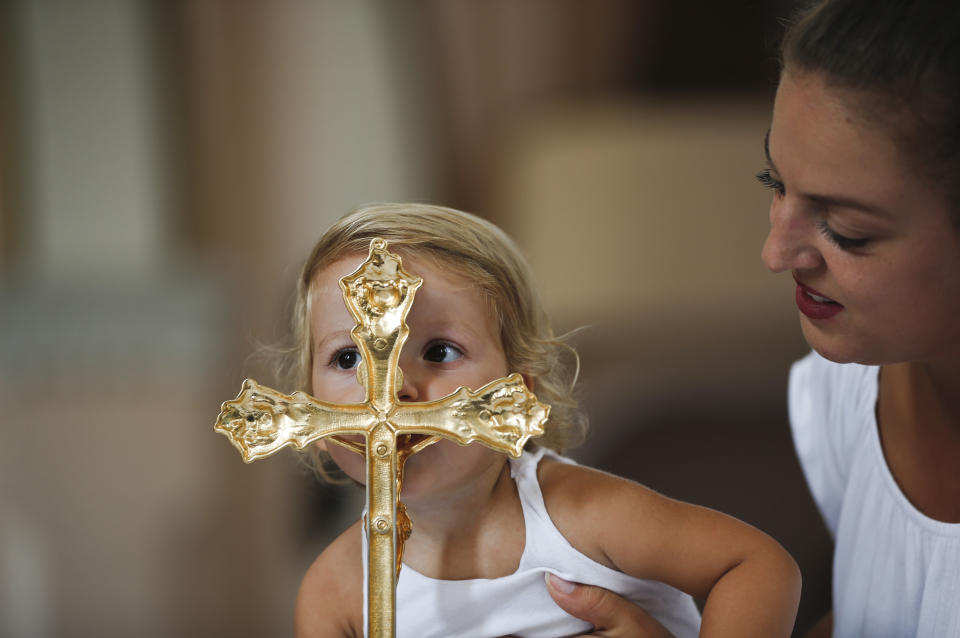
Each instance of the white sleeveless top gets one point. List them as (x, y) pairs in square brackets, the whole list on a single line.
[(519, 604), (896, 572)]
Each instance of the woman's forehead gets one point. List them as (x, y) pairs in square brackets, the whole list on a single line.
[(822, 149)]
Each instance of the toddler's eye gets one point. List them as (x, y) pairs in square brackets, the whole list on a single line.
[(346, 359), (442, 352)]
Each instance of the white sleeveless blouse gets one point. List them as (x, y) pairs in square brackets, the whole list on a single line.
[(896, 572)]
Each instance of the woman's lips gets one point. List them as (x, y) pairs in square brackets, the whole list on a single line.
[(814, 305)]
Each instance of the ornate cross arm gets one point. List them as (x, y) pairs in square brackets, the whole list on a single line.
[(261, 421), (503, 415)]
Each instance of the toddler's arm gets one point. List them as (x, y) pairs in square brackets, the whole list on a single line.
[(750, 583)]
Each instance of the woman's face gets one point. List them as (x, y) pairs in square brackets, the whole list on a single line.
[(868, 239)]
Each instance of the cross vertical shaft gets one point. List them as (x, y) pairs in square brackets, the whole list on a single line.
[(382, 470)]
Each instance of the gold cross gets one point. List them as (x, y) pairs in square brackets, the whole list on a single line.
[(503, 415)]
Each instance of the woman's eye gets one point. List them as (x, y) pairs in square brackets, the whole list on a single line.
[(346, 359), (841, 241), (765, 178), (441, 352)]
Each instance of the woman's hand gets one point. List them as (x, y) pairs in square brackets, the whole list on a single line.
[(610, 615)]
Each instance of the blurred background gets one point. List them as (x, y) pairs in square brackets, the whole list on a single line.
[(165, 165)]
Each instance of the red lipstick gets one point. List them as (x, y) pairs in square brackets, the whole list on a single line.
[(814, 305)]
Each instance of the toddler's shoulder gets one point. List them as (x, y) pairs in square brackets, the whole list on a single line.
[(582, 502), (330, 600), (569, 486)]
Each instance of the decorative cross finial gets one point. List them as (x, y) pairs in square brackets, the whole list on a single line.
[(503, 415)]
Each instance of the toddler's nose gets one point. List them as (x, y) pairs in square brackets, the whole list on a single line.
[(408, 389)]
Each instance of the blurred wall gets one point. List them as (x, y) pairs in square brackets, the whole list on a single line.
[(165, 167)]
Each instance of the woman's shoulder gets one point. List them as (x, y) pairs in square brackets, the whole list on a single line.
[(330, 600)]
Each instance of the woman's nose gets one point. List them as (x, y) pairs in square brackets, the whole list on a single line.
[(789, 244)]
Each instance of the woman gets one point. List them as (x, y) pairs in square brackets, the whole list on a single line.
[(864, 163)]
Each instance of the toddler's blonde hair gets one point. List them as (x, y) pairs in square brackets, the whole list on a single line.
[(480, 252)]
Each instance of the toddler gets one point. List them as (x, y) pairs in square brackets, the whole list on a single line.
[(488, 528)]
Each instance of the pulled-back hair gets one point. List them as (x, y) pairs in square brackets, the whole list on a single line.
[(902, 57), (480, 252)]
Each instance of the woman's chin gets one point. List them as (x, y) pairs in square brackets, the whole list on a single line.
[(832, 347)]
